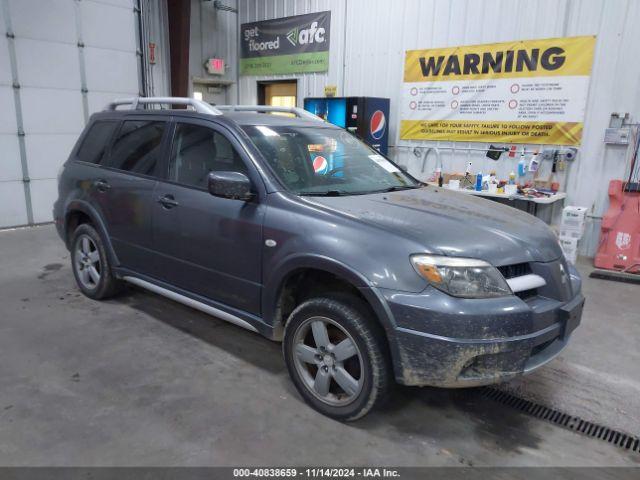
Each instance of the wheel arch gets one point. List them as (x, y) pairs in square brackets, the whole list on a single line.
[(316, 267), (79, 212)]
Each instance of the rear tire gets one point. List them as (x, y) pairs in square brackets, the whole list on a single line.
[(337, 357), (90, 264)]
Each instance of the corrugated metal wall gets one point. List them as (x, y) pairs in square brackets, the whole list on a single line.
[(156, 25), (369, 37), (213, 35), (60, 61)]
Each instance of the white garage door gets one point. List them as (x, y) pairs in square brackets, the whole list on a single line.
[(60, 61)]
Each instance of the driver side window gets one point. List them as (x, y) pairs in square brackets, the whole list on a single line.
[(199, 150)]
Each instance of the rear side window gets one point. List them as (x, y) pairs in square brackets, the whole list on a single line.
[(137, 146), (95, 143)]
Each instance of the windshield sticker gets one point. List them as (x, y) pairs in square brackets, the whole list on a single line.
[(384, 163), (330, 145)]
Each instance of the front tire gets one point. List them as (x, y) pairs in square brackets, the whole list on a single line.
[(90, 264), (337, 357)]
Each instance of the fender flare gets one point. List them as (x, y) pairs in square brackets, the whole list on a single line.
[(290, 265), (96, 220)]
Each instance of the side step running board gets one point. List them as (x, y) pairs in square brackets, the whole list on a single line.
[(189, 302)]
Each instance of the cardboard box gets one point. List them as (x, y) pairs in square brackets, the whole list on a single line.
[(569, 248), (571, 234), (573, 213)]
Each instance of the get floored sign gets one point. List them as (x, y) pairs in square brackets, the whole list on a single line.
[(531, 91), (286, 45)]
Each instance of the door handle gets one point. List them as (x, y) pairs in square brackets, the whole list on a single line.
[(167, 201), (101, 185)]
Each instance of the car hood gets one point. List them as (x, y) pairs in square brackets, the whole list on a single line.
[(453, 223)]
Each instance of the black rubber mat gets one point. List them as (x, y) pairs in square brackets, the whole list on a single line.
[(615, 276), (577, 424)]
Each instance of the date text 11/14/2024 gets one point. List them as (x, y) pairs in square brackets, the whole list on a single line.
[(317, 472)]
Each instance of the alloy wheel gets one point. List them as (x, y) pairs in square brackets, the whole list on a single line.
[(87, 262), (328, 359)]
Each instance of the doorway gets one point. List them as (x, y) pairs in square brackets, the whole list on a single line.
[(280, 93)]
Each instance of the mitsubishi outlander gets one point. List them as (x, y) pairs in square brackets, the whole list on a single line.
[(283, 224)]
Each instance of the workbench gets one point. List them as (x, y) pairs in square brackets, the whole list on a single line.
[(531, 203)]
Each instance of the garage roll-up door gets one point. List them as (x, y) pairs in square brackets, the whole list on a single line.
[(60, 61)]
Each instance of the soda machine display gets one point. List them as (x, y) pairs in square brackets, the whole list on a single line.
[(366, 117)]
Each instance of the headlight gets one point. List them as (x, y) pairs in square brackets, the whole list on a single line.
[(461, 277)]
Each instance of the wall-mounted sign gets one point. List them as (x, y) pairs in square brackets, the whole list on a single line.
[(531, 91), (330, 90), (152, 53), (286, 45), (215, 66)]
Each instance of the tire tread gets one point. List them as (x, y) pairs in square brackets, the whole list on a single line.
[(357, 315)]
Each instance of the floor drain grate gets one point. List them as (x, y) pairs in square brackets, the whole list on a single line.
[(577, 424)]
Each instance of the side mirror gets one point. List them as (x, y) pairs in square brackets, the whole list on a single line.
[(234, 185)]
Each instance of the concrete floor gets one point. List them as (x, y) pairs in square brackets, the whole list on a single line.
[(597, 376), (140, 380)]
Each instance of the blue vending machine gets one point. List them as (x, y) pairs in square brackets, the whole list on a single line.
[(366, 117)]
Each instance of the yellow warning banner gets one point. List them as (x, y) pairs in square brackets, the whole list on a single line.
[(524, 58), (530, 91), (560, 133)]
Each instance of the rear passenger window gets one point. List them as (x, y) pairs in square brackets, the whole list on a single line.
[(137, 147), (95, 143), (197, 151)]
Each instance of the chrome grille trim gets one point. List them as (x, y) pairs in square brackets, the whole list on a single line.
[(525, 282)]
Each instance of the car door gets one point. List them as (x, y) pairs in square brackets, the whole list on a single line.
[(123, 189), (208, 245)]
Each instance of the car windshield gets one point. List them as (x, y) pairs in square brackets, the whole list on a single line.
[(326, 161)]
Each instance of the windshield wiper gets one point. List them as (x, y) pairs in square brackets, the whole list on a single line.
[(398, 188), (330, 193), (342, 193)]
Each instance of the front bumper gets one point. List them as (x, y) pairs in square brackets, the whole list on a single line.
[(442, 341)]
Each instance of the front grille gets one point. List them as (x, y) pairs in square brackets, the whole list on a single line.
[(515, 270)]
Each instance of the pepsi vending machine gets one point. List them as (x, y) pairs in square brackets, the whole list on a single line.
[(366, 117)]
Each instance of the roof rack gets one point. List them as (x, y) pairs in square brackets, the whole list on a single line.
[(298, 112), (135, 102), (203, 107)]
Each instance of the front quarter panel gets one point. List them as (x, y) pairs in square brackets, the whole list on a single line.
[(308, 235)]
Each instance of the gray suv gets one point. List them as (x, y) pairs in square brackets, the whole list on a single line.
[(295, 229)]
